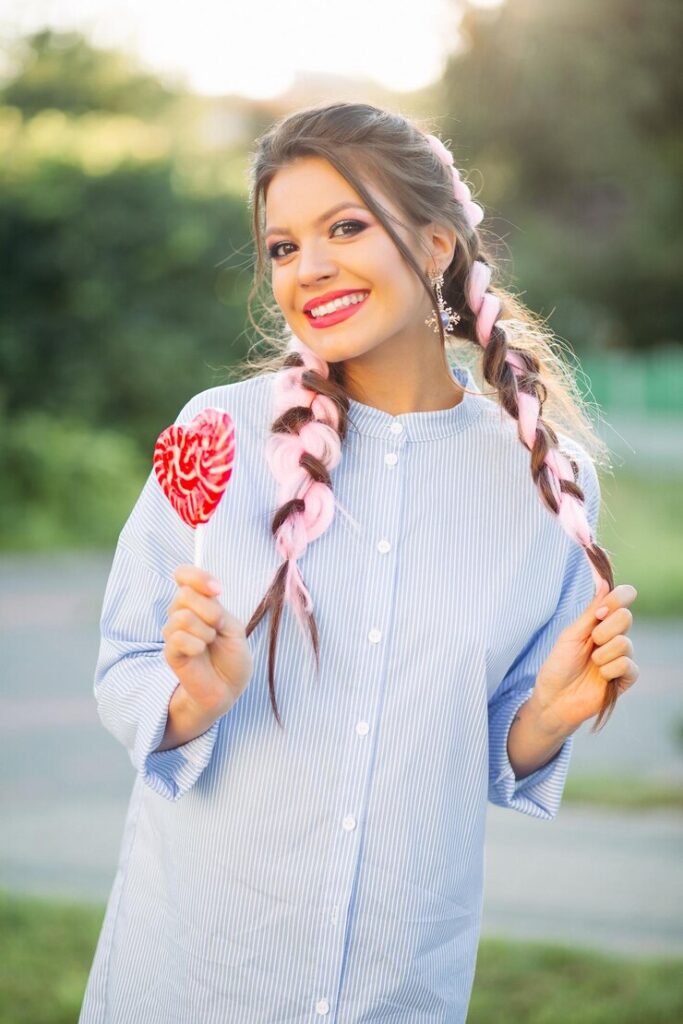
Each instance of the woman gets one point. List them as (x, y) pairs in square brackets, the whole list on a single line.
[(313, 847)]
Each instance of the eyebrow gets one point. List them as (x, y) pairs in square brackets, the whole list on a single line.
[(319, 220)]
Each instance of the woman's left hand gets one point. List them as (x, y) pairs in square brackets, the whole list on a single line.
[(588, 656)]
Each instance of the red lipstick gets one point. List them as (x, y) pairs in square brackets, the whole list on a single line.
[(330, 297), (337, 315)]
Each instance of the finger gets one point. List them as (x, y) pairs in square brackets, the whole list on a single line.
[(620, 597), (619, 621), (187, 643), (614, 648), (620, 667), (198, 579), (207, 608), (585, 622), (185, 621)]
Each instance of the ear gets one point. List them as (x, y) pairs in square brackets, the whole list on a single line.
[(441, 240)]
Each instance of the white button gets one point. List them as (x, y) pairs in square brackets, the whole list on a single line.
[(374, 636), (322, 1007), (396, 427), (384, 546), (349, 823), (362, 728), (391, 458)]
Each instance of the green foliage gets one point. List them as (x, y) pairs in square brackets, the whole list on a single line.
[(569, 111), (47, 947), (116, 304), (65, 485), (63, 70), (640, 527)]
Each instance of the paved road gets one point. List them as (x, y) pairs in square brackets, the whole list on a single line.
[(592, 878)]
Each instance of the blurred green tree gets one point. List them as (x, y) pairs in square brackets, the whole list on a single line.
[(113, 305), (570, 111), (119, 297), (62, 70)]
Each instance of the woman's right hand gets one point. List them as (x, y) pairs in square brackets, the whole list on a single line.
[(205, 646)]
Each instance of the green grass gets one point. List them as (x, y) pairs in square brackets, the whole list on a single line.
[(627, 794), (46, 950), (640, 528), (539, 983)]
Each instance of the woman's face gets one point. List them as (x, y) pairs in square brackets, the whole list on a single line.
[(315, 252)]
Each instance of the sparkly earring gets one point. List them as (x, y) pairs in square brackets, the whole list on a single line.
[(448, 318)]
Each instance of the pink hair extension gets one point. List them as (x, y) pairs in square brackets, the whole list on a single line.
[(486, 307), (320, 438), (571, 511)]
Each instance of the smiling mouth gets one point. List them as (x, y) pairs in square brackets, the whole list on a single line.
[(343, 313)]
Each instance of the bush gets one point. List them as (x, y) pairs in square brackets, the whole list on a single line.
[(65, 484)]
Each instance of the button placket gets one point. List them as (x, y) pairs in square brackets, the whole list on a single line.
[(376, 598)]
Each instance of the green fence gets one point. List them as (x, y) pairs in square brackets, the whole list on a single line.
[(647, 385)]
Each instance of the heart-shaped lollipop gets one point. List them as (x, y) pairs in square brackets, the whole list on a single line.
[(193, 464)]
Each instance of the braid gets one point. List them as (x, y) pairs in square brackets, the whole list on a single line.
[(516, 376), (305, 444)]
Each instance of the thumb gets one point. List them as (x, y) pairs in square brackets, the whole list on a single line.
[(585, 624)]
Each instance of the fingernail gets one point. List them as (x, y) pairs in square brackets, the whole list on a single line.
[(213, 585), (601, 612)]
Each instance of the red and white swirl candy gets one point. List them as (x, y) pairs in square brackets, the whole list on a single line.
[(194, 463)]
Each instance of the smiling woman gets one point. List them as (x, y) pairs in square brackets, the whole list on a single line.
[(328, 860), (411, 227), (320, 258)]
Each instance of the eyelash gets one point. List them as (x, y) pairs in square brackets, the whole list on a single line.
[(354, 223)]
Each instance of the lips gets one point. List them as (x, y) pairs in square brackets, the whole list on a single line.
[(330, 297), (343, 313)]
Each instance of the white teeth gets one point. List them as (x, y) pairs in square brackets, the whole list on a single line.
[(345, 300)]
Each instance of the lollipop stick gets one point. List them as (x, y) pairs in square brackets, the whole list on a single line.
[(198, 544)]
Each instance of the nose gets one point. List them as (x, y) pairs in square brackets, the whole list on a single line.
[(314, 265)]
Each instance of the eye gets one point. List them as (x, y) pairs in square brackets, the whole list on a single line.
[(356, 226)]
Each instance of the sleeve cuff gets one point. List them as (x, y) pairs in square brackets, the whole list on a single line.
[(168, 772), (538, 794)]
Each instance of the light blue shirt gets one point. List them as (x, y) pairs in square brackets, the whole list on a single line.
[(333, 870)]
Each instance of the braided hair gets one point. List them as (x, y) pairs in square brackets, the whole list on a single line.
[(311, 403)]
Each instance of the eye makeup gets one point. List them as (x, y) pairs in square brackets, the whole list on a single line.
[(357, 226)]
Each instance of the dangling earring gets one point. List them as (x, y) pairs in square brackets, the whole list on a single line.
[(448, 318)]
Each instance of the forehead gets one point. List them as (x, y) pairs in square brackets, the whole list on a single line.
[(306, 178), (301, 191)]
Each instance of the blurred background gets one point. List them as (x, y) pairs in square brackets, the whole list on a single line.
[(124, 134)]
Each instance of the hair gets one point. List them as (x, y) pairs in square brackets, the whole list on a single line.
[(517, 352)]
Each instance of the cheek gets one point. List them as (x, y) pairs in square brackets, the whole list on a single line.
[(279, 289)]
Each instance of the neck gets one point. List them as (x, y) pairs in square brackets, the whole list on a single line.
[(417, 379)]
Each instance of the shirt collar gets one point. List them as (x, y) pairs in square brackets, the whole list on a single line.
[(420, 426)]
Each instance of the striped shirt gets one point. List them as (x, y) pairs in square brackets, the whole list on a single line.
[(333, 869)]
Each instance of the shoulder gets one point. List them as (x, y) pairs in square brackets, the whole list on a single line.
[(505, 452), (242, 394), (248, 401)]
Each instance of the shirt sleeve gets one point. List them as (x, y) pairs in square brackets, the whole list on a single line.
[(540, 793), (133, 681)]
